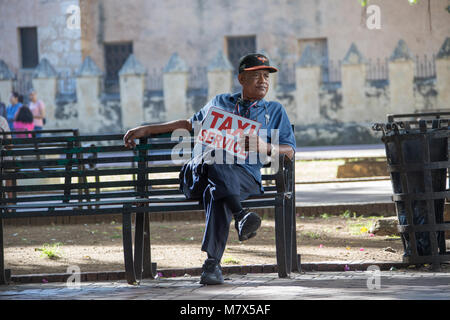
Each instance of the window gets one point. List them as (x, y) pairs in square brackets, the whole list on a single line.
[(319, 47), (238, 47), (115, 56), (29, 47)]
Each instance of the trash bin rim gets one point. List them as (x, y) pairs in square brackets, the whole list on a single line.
[(421, 196)]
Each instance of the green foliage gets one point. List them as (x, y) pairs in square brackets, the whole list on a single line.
[(311, 235), (50, 251), (230, 260), (325, 216), (363, 2), (347, 214), (359, 228)]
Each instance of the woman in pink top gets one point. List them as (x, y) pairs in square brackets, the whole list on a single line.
[(23, 121), (37, 107)]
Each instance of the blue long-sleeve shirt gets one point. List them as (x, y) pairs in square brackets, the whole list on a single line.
[(270, 114), (11, 111)]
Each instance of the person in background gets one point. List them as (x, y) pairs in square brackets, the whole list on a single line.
[(4, 127), (23, 121), (2, 109), (12, 109), (37, 107)]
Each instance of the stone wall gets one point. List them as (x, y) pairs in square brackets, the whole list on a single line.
[(56, 42), (323, 112), (197, 29)]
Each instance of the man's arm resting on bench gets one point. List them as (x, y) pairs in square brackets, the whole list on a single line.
[(145, 131)]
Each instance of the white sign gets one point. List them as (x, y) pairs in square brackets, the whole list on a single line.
[(222, 130)]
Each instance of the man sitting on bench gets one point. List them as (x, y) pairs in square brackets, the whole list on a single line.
[(222, 186)]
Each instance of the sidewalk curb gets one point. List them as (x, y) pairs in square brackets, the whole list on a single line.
[(188, 272), (363, 208)]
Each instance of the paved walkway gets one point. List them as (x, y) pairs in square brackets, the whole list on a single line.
[(341, 152), (334, 193), (344, 192), (348, 285)]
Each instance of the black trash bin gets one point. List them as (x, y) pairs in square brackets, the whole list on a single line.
[(417, 157)]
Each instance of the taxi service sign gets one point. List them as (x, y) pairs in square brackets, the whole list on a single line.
[(222, 130)]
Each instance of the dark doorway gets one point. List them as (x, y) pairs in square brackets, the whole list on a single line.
[(115, 56), (29, 47)]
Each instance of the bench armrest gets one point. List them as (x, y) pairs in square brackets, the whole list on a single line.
[(284, 178)]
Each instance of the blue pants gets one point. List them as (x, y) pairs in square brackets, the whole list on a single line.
[(214, 183), (36, 128)]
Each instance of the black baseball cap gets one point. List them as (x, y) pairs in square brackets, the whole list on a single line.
[(255, 61)]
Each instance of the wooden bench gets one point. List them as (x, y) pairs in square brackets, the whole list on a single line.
[(67, 181)]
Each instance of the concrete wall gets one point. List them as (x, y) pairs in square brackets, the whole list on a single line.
[(56, 42), (323, 112), (197, 28)]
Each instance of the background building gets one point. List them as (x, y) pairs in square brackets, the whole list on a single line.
[(333, 64)]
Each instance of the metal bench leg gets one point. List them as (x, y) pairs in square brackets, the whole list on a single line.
[(2, 258), (280, 239), (138, 244), (294, 257), (128, 247), (149, 267), (289, 233)]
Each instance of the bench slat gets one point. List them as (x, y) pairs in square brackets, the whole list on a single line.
[(118, 208), (63, 149), (60, 173), (87, 161), (76, 197), (87, 138)]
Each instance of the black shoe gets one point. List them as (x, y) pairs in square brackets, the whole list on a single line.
[(212, 272), (247, 225)]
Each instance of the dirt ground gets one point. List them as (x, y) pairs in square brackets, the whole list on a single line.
[(98, 246)]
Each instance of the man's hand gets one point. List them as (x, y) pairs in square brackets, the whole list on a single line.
[(133, 134), (254, 143), (145, 131), (257, 144)]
